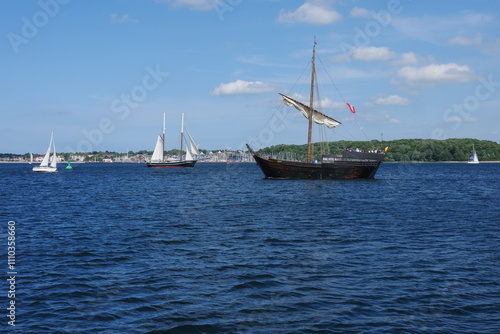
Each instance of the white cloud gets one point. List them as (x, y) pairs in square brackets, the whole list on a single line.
[(406, 59), (193, 4), (436, 73), (327, 103), (313, 12), (487, 47), (323, 103), (458, 119), (464, 41), (492, 47), (242, 87), (393, 100), (361, 12), (383, 117), (433, 29), (372, 53), (117, 18)]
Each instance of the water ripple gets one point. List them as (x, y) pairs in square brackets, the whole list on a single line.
[(119, 248)]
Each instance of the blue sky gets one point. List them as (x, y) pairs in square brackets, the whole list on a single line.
[(100, 74)]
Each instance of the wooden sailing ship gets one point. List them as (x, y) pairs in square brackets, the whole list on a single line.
[(348, 164)]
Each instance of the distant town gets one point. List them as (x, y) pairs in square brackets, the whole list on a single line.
[(130, 157)]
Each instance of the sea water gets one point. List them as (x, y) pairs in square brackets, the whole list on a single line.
[(122, 248)]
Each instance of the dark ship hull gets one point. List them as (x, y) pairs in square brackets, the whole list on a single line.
[(172, 164), (346, 165)]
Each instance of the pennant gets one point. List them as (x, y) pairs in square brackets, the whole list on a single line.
[(351, 108)]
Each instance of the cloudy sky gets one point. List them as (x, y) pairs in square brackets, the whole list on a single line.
[(100, 74)]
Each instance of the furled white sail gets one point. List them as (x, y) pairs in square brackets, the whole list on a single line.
[(158, 152), (317, 117)]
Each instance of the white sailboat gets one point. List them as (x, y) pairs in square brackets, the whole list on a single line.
[(158, 157), (473, 159), (49, 163)]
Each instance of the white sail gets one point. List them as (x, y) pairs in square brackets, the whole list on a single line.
[(192, 145), (53, 164), (44, 166), (318, 117), (31, 158), (158, 159), (158, 152), (46, 158), (474, 159), (188, 152), (189, 143)]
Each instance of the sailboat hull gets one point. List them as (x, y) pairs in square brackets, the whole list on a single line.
[(347, 165), (42, 169), (172, 164)]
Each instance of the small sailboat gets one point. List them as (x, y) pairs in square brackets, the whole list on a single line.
[(158, 157), (49, 163), (348, 164), (473, 159), (31, 158)]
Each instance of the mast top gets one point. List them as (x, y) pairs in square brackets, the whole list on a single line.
[(164, 126)]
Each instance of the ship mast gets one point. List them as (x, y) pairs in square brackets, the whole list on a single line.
[(182, 136), (311, 102), (162, 139)]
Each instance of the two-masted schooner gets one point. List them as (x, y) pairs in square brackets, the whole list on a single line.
[(158, 158), (349, 164)]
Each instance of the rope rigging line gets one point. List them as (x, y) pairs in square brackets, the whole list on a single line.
[(342, 97), (279, 105)]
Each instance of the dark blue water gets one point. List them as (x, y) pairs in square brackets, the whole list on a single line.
[(122, 248)]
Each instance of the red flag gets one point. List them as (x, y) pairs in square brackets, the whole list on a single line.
[(351, 108)]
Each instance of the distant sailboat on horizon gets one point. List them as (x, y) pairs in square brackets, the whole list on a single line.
[(473, 159), (158, 157), (48, 165)]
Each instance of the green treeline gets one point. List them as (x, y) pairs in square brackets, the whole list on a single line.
[(424, 150)]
